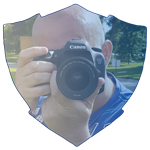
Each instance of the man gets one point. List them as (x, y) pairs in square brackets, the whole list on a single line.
[(75, 120)]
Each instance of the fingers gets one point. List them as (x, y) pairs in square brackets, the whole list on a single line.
[(37, 91), (54, 89), (37, 66), (37, 78), (55, 92), (27, 55)]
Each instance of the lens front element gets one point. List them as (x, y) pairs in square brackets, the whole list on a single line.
[(77, 78)]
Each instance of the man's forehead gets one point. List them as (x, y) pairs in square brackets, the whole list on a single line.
[(73, 22)]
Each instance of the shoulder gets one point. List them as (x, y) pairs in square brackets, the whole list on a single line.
[(132, 99)]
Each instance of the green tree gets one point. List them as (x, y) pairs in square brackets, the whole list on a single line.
[(20, 13), (128, 40), (131, 42)]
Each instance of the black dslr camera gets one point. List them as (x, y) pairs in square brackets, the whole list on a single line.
[(78, 68)]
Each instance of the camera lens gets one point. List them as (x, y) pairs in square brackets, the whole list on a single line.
[(77, 78)]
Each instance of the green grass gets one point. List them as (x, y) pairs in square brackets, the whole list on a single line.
[(13, 72), (11, 57), (133, 70), (8, 83)]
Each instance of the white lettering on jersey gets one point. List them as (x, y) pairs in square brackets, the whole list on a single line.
[(35, 112), (93, 128), (45, 134), (39, 118), (100, 142)]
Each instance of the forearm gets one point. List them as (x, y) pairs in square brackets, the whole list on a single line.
[(10, 131)]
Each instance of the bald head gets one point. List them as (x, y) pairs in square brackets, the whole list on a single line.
[(53, 31), (55, 8)]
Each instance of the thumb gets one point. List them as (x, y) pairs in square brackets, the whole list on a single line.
[(101, 81)]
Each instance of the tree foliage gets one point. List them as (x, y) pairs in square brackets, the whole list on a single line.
[(129, 41), (20, 13)]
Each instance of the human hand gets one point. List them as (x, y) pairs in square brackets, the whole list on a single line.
[(31, 73), (69, 118)]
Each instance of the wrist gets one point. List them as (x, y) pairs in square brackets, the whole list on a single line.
[(77, 138)]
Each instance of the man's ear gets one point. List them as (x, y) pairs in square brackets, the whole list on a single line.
[(107, 50)]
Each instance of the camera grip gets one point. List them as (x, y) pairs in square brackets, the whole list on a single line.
[(46, 57), (52, 56)]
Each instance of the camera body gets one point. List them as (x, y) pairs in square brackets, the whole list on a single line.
[(78, 68)]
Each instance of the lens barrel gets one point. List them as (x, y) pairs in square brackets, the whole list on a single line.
[(77, 78)]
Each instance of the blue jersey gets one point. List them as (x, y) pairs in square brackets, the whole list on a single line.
[(121, 121)]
